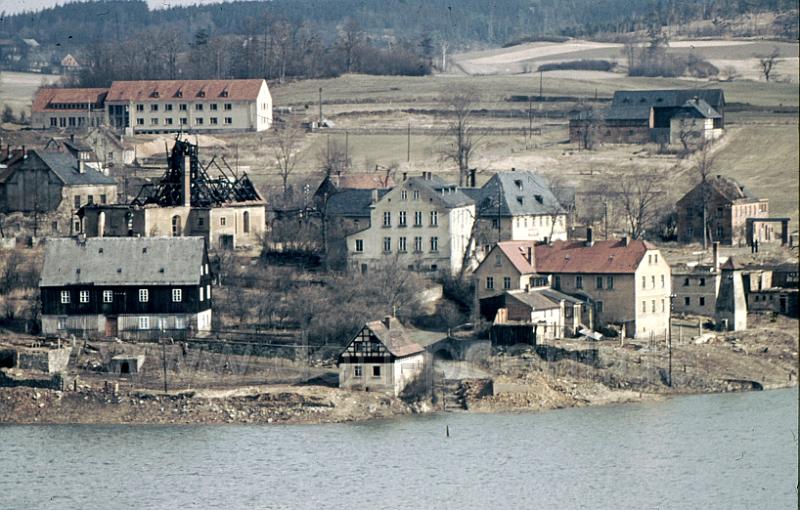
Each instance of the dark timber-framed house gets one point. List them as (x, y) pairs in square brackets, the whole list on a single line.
[(142, 287)]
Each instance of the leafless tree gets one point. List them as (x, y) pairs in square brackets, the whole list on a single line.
[(334, 158), (731, 73), (767, 62), (285, 148), (704, 167), (640, 195), (460, 140), (688, 136), (351, 39)]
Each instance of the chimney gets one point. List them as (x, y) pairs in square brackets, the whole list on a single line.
[(405, 176), (387, 321), (715, 255), (530, 255), (472, 172), (589, 237), (186, 181), (626, 240), (513, 169), (374, 198)]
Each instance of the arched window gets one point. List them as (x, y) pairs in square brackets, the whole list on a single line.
[(176, 226), (246, 222)]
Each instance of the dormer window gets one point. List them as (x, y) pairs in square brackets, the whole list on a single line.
[(154, 93), (518, 184), (224, 93), (178, 93), (519, 200), (539, 198), (201, 93)]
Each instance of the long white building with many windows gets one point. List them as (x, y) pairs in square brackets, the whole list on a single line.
[(158, 106)]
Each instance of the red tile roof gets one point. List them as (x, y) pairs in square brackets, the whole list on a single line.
[(46, 96), (517, 254), (611, 256), (188, 90)]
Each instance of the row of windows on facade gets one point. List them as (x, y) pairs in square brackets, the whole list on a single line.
[(223, 221), (403, 219), (142, 323), (544, 221), (72, 122), (653, 306), (701, 282), (687, 301), (89, 200), (144, 295), (358, 371), (402, 244), (718, 232), (184, 107), (199, 121), (532, 282)]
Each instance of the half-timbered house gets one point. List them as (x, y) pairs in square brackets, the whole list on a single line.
[(381, 357), (142, 287)]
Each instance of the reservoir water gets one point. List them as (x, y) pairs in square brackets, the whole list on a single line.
[(724, 451)]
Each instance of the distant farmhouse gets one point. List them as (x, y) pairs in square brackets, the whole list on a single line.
[(55, 184), (161, 106), (660, 116), (129, 288), (728, 211), (227, 211)]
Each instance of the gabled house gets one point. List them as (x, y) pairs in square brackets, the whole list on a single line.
[(111, 149), (644, 116), (423, 223), (380, 357), (629, 282), (338, 182), (55, 108), (518, 206), (143, 287), (56, 184), (509, 265), (726, 208), (547, 312)]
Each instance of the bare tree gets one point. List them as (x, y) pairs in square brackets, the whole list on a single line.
[(287, 155), (334, 158), (351, 39), (731, 73), (767, 62), (460, 140), (705, 164), (640, 197)]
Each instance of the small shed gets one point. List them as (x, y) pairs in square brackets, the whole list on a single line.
[(126, 364)]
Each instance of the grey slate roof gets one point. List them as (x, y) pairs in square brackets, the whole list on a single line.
[(352, 203), (65, 166), (636, 104), (450, 195), (521, 193), (123, 261), (535, 299)]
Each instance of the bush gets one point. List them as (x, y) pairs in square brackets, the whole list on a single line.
[(579, 65)]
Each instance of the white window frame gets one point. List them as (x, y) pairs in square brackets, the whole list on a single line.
[(144, 322), (434, 244), (202, 294), (359, 246), (108, 296), (83, 296), (358, 371), (177, 295), (144, 295), (490, 282), (434, 218), (387, 244), (65, 298), (387, 219), (208, 291)]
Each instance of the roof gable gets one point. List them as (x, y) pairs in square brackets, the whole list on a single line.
[(123, 261), (444, 194), (516, 252), (187, 90), (394, 338), (65, 166), (636, 104), (47, 96), (520, 193)]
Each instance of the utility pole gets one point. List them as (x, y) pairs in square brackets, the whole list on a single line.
[(540, 85), (408, 143), (669, 341), (320, 107), (346, 146), (530, 120), (164, 361)]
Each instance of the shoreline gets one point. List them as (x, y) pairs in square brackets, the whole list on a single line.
[(268, 406)]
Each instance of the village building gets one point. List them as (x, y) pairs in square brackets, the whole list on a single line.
[(628, 282), (57, 108), (726, 211), (141, 288), (660, 116), (517, 206), (767, 231), (423, 223), (381, 357), (158, 106), (111, 148), (696, 286), (227, 211), (772, 289), (54, 185), (339, 182), (509, 265)]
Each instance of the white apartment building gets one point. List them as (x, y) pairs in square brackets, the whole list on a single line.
[(423, 223)]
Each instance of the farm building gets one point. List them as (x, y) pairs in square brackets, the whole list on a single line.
[(141, 287), (381, 357)]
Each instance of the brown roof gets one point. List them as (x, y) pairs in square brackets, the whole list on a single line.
[(611, 256), (46, 96), (362, 181), (233, 90), (517, 254), (395, 338)]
